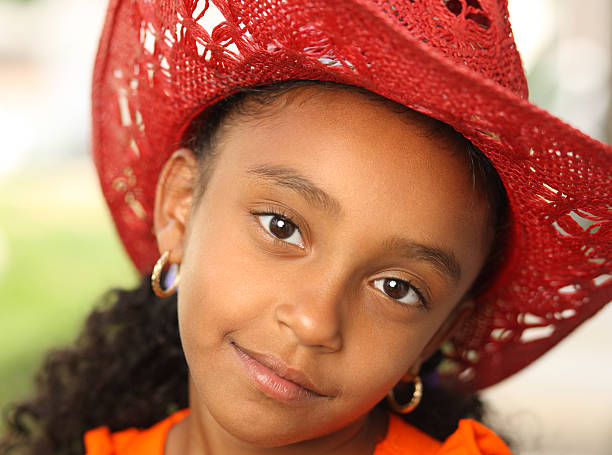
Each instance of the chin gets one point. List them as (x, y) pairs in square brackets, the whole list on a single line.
[(285, 426), (269, 433)]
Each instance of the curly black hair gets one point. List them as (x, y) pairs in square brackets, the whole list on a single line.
[(127, 369)]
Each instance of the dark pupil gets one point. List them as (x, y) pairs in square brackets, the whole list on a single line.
[(281, 228), (396, 289)]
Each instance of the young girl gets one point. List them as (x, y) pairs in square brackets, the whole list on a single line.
[(348, 219)]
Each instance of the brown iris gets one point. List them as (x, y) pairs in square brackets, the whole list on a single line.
[(396, 289), (281, 227)]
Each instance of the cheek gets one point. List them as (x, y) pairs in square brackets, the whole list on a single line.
[(214, 287), (378, 352)]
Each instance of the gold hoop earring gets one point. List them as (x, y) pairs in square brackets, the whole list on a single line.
[(414, 402), (156, 277)]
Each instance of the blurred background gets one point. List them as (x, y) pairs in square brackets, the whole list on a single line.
[(58, 249)]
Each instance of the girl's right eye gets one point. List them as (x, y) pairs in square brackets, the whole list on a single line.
[(281, 227)]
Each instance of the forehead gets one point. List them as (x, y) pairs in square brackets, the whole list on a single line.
[(387, 169)]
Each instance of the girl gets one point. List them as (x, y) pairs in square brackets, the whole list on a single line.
[(348, 213)]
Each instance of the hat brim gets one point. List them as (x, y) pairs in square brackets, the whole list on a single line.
[(557, 273)]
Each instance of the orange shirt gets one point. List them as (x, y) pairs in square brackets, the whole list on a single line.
[(471, 438)]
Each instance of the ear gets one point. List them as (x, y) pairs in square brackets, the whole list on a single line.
[(173, 199), (454, 320)]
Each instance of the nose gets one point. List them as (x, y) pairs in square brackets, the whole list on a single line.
[(313, 314)]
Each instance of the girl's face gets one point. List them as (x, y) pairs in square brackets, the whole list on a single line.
[(331, 247)]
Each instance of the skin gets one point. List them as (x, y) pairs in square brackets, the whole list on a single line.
[(314, 305)]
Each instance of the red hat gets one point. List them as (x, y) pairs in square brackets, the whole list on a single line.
[(161, 62)]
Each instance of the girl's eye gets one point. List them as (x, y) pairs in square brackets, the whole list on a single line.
[(282, 228), (400, 290)]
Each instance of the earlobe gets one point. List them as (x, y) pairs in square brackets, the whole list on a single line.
[(173, 199)]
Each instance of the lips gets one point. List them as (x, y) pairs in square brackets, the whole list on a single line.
[(275, 379)]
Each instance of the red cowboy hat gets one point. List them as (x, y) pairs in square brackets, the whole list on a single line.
[(161, 62)]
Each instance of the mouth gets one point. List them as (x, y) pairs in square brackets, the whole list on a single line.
[(275, 379)]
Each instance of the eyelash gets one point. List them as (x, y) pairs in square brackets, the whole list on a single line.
[(425, 305), (278, 212), (424, 301)]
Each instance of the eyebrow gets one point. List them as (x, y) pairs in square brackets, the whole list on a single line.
[(292, 179), (445, 262)]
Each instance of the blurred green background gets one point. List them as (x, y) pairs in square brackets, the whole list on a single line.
[(58, 252)]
